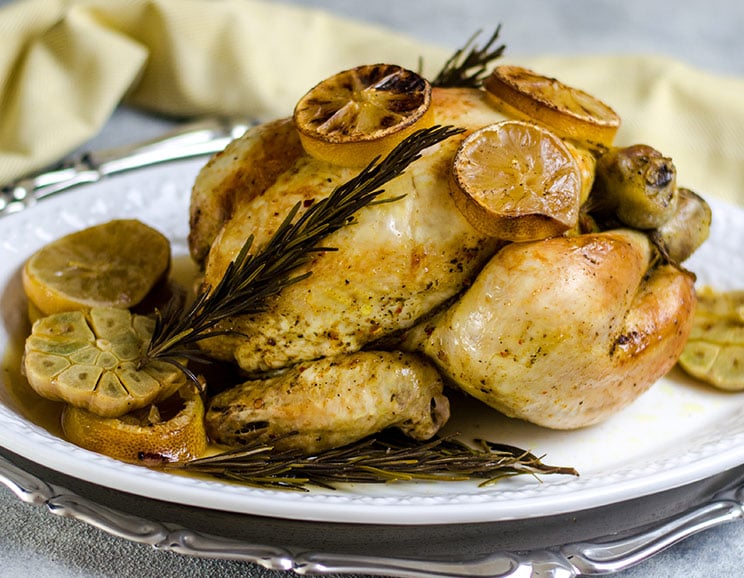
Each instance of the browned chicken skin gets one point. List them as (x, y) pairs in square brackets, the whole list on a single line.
[(398, 261), (332, 402), (562, 332)]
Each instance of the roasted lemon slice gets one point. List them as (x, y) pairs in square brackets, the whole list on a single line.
[(361, 113), (714, 352), (569, 112), (516, 181), (113, 264), (89, 360), (172, 430)]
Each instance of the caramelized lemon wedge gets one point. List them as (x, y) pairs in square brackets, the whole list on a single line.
[(516, 181), (89, 360), (359, 114), (172, 430), (714, 352), (115, 264), (569, 112)]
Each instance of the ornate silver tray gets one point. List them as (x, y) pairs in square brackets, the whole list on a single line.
[(517, 548), (555, 530)]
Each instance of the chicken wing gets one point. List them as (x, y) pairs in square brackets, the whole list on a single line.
[(332, 402)]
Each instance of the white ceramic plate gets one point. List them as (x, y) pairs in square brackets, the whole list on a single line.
[(677, 433)]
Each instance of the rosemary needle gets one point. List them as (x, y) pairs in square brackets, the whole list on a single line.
[(254, 277), (249, 281), (372, 460), (467, 70)]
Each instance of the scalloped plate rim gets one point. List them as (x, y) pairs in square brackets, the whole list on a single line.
[(166, 187)]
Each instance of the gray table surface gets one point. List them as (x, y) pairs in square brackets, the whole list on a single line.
[(706, 34)]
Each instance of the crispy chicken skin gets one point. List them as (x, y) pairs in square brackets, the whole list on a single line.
[(564, 332), (397, 262), (332, 402)]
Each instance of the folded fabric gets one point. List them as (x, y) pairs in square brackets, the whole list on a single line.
[(66, 65), (690, 115)]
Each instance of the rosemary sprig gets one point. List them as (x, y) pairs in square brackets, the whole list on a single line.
[(372, 460), (254, 277), (468, 71)]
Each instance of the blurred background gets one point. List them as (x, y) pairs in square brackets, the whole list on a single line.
[(705, 34)]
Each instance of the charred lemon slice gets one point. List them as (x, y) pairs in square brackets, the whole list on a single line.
[(89, 360), (714, 352), (114, 264), (172, 430), (361, 113), (516, 181), (569, 112)]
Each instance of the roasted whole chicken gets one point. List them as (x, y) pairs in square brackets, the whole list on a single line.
[(561, 328)]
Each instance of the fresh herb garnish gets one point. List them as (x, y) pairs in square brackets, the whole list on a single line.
[(467, 70), (372, 460), (254, 277)]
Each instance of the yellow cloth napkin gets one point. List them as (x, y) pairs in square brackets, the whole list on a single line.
[(66, 65), (693, 116)]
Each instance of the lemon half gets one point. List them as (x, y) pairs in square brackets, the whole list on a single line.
[(517, 181), (172, 430), (115, 264), (569, 112), (359, 114)]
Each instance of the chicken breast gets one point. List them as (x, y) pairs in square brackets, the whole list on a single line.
[(399, 261), (332, 402), (564, 332)]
